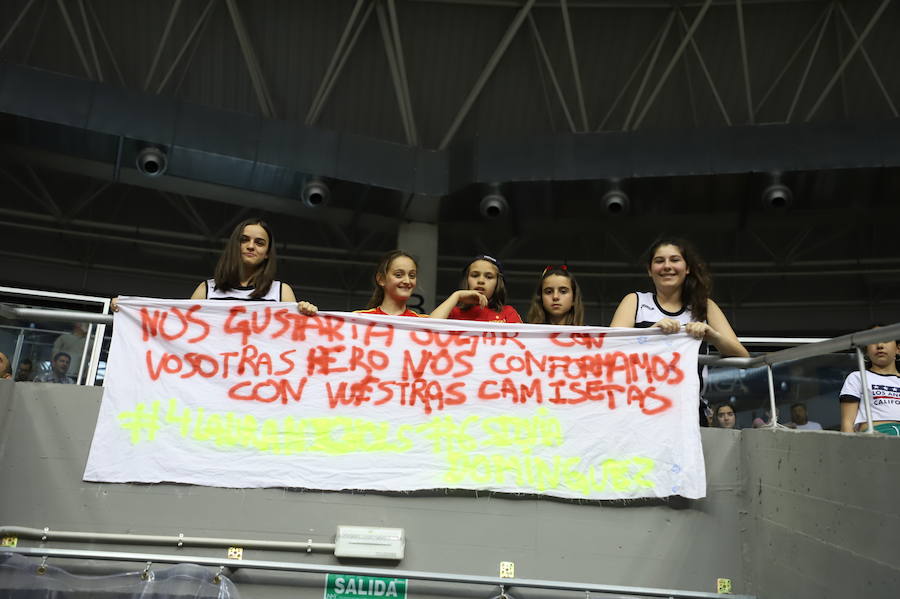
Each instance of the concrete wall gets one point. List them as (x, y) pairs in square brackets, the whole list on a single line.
[(775, 531), (823, 514)]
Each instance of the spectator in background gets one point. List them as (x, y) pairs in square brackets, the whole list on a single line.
[(766, 420), (724, 416), (24, 371), (5, 368), (58, 370), (800, 421), (883, 380), (72, 344)]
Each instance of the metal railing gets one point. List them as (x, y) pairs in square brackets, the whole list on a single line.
[(96, 330), (853, 341), (504, 584)]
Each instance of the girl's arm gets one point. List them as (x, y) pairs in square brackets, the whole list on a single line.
[(199, 292), (464, 296), (718, 332), (849, 410), (287, 293), (624, 316)]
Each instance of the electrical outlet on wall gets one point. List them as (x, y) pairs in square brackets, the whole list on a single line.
[(507, 570)]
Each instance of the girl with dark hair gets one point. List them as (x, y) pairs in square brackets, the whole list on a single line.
[(395, 281), (724, 417), (246, 269), (883, 380), (482, 295), (682, 285), (557, 298), (680, 298)]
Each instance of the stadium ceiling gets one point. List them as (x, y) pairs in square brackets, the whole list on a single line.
[(410, 110)]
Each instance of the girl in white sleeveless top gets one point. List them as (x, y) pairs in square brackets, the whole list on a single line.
[(246, 269), (680, 299)]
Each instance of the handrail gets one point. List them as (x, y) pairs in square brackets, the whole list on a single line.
[(504, 583), (46, 534), (811, 350), (9, 311)]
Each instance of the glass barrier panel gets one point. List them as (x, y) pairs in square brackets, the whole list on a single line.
[(815, 382), (45, 349)]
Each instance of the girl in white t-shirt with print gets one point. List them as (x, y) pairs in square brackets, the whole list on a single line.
[(883, 381)]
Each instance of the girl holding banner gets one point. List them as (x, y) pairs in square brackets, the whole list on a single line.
[(246, 269), (557, 299), (482, 297), (680, 298), (395, 280)]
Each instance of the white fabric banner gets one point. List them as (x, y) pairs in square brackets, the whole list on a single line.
[(253, 394)]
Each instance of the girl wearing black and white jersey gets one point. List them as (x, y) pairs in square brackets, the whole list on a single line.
[(246, 269), (680, 299)]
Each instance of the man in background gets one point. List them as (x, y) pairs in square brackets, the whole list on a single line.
[(73, 345), (24, 371), (800, 421), (57, 374)]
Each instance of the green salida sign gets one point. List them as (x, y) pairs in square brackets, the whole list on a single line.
[(347, 586)]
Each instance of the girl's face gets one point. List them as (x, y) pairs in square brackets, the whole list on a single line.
[(557, 296), (400, 279), (725, 417), (483, 277), (882, 354), (668, 268), (254, 244)]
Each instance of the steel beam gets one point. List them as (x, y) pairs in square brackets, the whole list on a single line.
[(90, 39), (256, 75), (743, 39), (790, 61), (840, 70), (865, 55), (86, 200), (201, 21), (647, 73), (401, 64), (486, 73), (389, 50), (672, 62), (109, 52), (15, 24), (339, 59), (35, 32), (634, 72), (542, 52), (162, 43), (573, 57), (75, 39), (335, 57), (709, 79), (42, 198), (809, 63)]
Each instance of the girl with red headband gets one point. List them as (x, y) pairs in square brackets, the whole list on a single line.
[(557, 298)]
